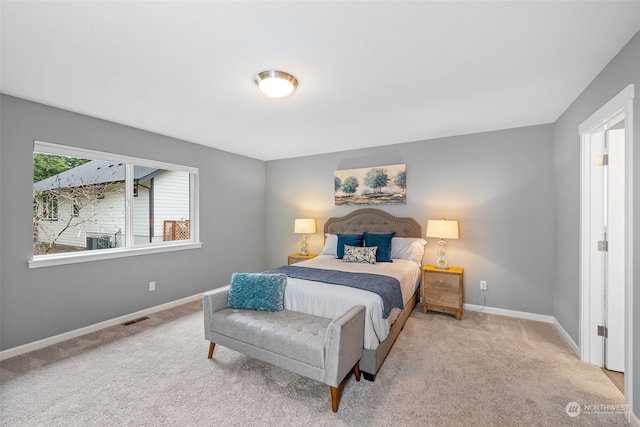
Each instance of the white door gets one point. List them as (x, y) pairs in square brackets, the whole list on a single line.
[(615, 255), (607, 266)]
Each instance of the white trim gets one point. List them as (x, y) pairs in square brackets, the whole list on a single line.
[(128, 206), (633, 419), (630, 314), (621, 103), (510, 313), (575, 347), (584, 274), (600, 117), (86, 256), (67, 150), (36, 345), (194, 207)]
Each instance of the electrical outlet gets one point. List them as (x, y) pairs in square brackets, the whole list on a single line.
[(152, 286), (483, 285)]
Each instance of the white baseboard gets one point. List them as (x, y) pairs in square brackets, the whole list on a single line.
[(510, 313), (567, 337), (528, 316), (36, 345)]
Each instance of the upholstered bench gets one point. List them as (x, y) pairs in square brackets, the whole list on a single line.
[(322, 349)]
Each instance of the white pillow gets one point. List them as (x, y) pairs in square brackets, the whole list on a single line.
[(411, 248), (330, 245)]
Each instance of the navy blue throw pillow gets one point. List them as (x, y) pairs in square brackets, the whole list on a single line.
[(383, 242), (348, 239)]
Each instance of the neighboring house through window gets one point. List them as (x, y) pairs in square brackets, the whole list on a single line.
[(87, 201)]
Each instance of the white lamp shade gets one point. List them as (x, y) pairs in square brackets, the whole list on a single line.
[(304, 226), (443, 229)]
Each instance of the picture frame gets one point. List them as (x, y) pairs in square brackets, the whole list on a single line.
[(377, 185)]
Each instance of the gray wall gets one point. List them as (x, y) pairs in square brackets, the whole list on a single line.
[(42, 302), (499, 185), (623, 70)]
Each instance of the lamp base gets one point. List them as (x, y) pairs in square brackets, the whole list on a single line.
[(441, 261)]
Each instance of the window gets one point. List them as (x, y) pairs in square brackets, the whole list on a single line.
[(48, 206), (89, 205)]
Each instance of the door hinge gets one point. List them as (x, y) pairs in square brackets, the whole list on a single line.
[(603, 160), (603, 246), (603, 331)]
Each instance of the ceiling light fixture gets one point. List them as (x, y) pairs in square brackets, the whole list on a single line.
[(276, 84)]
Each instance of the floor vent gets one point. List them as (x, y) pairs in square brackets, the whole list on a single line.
[(131, 322)]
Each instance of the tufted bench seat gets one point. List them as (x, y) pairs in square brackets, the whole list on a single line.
[(322, 349)]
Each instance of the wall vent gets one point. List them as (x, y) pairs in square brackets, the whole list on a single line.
[(131, 322)]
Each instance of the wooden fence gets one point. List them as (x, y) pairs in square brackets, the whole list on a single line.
[(176, 230)]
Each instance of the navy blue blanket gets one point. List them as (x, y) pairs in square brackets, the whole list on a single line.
[(387, 287)]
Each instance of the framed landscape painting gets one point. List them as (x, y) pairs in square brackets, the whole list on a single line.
[(379, 185)]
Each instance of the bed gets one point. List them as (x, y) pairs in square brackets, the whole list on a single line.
[(325, 300)]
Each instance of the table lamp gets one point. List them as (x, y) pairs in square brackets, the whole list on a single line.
[(442, 229), (304, 227)]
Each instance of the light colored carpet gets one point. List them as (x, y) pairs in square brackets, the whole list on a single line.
[(485, 370)]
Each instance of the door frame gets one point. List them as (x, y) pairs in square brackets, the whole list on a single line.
[(591, 348)]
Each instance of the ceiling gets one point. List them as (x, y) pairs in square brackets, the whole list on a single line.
[(370, 73)]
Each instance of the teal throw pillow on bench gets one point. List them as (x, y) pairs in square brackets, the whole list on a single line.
[(257, 291)]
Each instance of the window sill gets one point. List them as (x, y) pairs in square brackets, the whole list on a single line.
[(97, 255)]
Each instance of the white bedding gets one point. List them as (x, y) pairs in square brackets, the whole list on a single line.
[(326, 300)]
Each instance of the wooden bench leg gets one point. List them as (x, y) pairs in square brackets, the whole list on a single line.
[(334, 398), (211, 347), (335, 391)]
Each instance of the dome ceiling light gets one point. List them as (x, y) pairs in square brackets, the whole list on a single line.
[(276, 84)]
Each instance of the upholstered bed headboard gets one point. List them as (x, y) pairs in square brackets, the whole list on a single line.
[(373, 221)]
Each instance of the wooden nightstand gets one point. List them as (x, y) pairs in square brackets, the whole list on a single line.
[(442, 290), (293, 258)]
